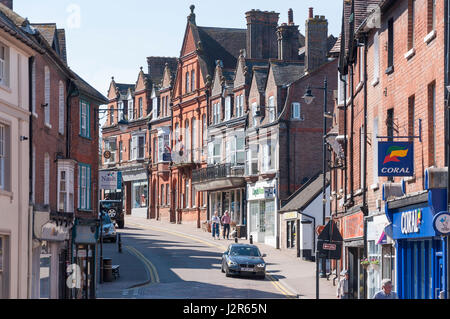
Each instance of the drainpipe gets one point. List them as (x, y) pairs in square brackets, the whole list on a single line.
[(30, 178), (447, 129), (352, 118)]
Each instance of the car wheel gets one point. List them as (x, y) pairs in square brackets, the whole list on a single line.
[(221, 268), (227, 272), (114, 239)]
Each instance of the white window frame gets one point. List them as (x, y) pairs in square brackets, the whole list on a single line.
[(84, 187), (3, 155), (136, 147), (113, 150), (228, 108), (376, 58), (130, 109), (4, 65), (254, 110), (46, 179), (155, 106), (271, 109), (68, 193), (296, 111)]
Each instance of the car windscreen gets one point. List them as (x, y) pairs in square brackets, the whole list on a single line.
[(245, 251), (107, 205)]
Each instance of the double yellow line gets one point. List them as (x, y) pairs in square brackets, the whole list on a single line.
[(274, 282), (151, 269)]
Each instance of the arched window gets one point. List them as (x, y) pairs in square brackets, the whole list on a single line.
[(194, 138)]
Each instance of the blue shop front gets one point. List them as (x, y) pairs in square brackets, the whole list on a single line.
[(421, 252)]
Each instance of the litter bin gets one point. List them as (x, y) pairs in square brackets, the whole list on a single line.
[(107, 270), (241, 231)]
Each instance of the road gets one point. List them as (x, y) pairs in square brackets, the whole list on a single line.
[(158, 263)]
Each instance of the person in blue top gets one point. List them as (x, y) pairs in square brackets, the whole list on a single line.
[(386, 292)]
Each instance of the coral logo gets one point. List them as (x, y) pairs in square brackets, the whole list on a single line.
[(393, 154)]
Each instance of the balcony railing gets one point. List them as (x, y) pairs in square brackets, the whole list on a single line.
[(218, 171)]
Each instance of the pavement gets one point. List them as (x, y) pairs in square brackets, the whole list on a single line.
[(294, 276)]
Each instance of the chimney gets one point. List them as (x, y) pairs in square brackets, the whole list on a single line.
[(262, 34), (288, 39), (316, 41), (311, 13), (8, 3)]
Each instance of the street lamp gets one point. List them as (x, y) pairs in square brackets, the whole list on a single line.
[(123, 125), (309, 98)]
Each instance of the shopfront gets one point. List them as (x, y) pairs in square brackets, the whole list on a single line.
[(262, 212), (136, 191), (421, 267), (231, 201)]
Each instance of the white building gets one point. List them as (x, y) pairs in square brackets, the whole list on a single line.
[(15, 217)]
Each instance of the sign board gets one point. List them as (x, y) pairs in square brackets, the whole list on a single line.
[(262, 190), (110, 180), (167, 157), (290, 215), (395, 159), (441, 223), (329, 246)]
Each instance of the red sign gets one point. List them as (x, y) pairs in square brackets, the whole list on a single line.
[(353, 226), (319, 229), (329, 246)]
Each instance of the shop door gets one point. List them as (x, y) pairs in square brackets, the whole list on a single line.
[(441, 283), (353, 265), (262, 222)]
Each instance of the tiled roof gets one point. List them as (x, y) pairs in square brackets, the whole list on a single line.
[(61, 33), (260, 75), (156, 66), (123, 88), (47, 30), (221, 44), (305, 195), (287, 72)]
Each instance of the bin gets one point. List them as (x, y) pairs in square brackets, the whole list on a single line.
[(107, 270), (241, 231)]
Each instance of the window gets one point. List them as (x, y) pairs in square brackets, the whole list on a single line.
[(431, 23), (268, 159), (33, 88), (111, 116), (46, 179), (111, 146), (65, 190), (193, 80), (5, 169), (376, 58), (215, 151), (187, 83), (186, 193), (291, 234), (162, 198), (432, 123), (120, 107), (120, 152), (84, 187), (141, 108), (155, 107), (296, 111), (227, 108), (163, 146), (138, 147), (390, 47), (238, 149), (237, 102), (130, 109), (361, 64), (254, 114), (194, 197), (187, 136), (61, 108), (4, 65), (47, 95), (177, 136), (271, 109), (155, 148), (194, 139), (216, 113), (4, 267), (341, 89), (252, 160), (411, 23), (84, 119), (167, 106), (167, 194)]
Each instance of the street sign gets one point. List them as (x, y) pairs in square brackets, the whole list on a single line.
[(329, 242), (395, 159), (441, 223)]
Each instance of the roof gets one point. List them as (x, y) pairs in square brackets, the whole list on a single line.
[(157, 65), (260, 75), (88, 90), (123, 88), (287, 72), (221, 44), (305, 195), (47, 30)]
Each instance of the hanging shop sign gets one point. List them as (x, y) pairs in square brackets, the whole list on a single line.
[(395, 159), (441, 223), (110, 180)]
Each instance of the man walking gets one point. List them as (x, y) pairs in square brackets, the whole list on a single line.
[(342, 288), (226, 224)]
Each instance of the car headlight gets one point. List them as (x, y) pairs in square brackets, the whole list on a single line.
[(262, 265), (232, 263)]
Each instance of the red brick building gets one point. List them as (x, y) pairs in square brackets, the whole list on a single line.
[(397, 76)]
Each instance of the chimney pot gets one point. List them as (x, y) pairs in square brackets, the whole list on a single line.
[(311, 13), (291, 17)]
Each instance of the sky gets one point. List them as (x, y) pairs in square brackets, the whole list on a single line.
[(108, 38)]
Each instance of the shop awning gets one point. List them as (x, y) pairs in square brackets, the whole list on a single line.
[(222, 183), (132, 176)]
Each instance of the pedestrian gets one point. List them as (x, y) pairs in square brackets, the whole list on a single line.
[(342, 288), (215, 220), (226, 219), (386, 291)]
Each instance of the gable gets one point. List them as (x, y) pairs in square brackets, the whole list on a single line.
[(240, 74), (189, 45), (140, 84), (167, 78), (217, 84), (112, 91)]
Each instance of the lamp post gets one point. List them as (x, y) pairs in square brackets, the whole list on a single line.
[(309, 98)]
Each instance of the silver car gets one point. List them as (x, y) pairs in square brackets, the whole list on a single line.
[(108, 229), (243, 259)]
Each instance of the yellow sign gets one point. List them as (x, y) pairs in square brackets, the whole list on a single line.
[(291, 215)]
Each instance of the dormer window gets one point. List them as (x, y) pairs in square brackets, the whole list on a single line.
[(155, 108), (130, 109), (271, 109)]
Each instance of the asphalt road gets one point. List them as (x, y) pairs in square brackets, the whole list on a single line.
[(158, 263)]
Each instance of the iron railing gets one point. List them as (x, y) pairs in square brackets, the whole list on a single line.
[(218, 171)]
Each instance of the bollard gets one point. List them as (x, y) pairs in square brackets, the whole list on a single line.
[(119, 242), (251, 239), (236, 240)]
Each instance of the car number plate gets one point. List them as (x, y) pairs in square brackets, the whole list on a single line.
[(247, 269)]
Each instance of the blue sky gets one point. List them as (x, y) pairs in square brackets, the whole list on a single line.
[(113, 38)]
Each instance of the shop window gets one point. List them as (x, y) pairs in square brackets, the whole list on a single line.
[(140, 194), (291, 234)]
